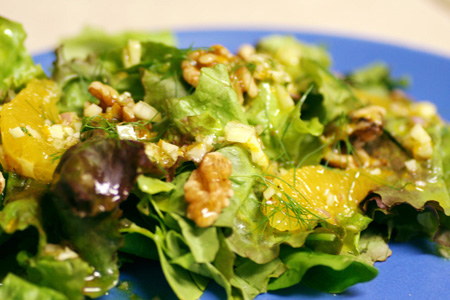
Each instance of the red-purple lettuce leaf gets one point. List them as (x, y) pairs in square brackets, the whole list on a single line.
[(90, 182)]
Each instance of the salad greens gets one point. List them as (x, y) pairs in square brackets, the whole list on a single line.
[(257, 170)]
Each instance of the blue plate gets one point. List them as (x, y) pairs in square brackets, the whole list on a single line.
[(414, 271)]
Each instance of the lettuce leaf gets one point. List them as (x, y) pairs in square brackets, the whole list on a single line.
[(154, 79), (66, 276), (90, 181), (210, 108), (290, 52), (286, 136), (376, 79), (16, 288), (329, 273), (17, 66), (94, 40)]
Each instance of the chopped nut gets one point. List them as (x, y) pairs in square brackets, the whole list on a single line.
[(106, 94), (208, 189), (247, 82), (241, 78), (190, 73), (246, 51), (367, 124), (207, 58)]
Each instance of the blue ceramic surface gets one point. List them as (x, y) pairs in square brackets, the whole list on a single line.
[(414, 271)]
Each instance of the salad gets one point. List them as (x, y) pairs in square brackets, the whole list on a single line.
[(258, 169)]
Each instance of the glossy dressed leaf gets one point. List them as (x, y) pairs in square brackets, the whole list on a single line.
[(16, 288), (203, 242), (153, 186), (91, 180), (329, 273), (94, 40), (210, 108), (65, 276), (289, 51), (21, 214), (17, 66), (96, 175), (159, 88), (376, 78), (242, 179)]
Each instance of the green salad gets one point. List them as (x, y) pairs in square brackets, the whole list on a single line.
[(258, 169)]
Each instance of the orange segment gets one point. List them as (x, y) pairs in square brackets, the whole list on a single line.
[(24, 128), (300, 198)]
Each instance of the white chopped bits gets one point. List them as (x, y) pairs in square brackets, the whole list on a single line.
[(69, 130), (144, 111), (152, 151), (375, 171), (17, 132), (411, 165), (425, 109), (268, 193), (132, 53), (422, 146), (237, 132), (92, 110), (126, 132), (245, 134), (170, 149), (34, 133), (56, 131), (163, 153), (419, 134), (197, 152)]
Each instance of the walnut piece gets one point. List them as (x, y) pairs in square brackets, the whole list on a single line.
[(366, 125), (208, 189), (240, 76)]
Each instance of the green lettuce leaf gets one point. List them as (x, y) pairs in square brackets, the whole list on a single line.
[(94, 40), (90, 181), (242, 180), (152, 185), (328, 273), (17, 66), (373, 247), (160, 87), (185, 284), (290, 52), (286, 136), (21, 229), (16, 288), (210, 108), (376, 78), (203, 242), (156, 78), (66, 276), (337, 98)]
